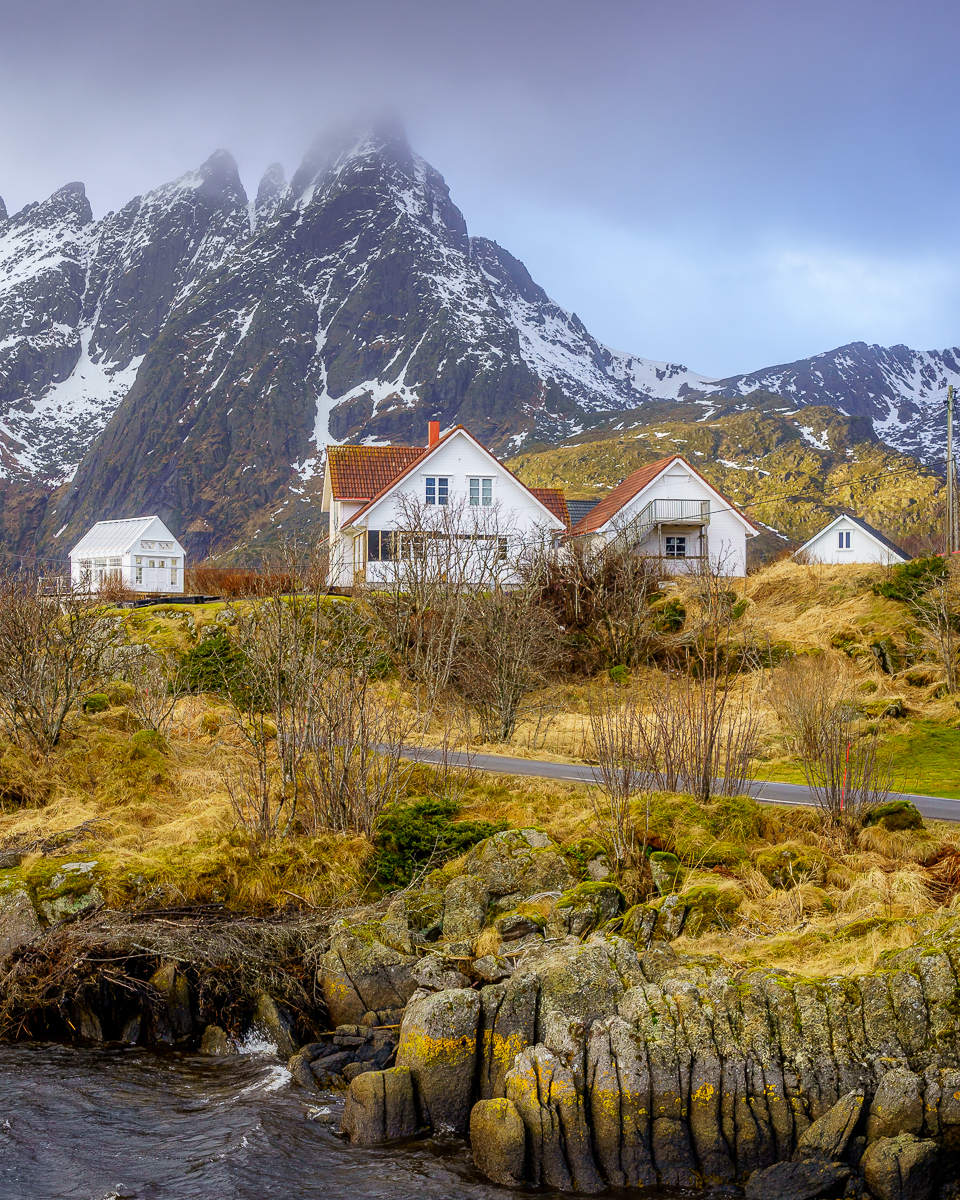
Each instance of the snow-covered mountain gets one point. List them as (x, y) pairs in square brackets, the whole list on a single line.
[(191, 354), (901, 392)]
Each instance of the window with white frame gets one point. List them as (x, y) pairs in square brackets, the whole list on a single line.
[(481, 490), (676, 547), (438, 489), (173, 571), (844, 542), (139, 573)]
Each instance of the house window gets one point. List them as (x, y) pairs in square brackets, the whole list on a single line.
[(116, 562), (165, 546), (438, 489), (162, 563), (99, 562), (139, 578), (381, 545), (844, 537), (676, 547), (481, 491), (173, 575), (138, 560), (147, 546), (151, 564)]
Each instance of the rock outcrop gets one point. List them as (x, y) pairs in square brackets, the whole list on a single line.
[(628, 1065)]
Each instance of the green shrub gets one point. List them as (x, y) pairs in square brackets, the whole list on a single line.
[(146, 740), (216, 665), (620, 675), (894, 816), (96, 703), (670, 617), (910, 580), (423, 833)]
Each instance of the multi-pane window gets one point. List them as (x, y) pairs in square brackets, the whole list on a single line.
[(139, 571), (381, 545), (173, 571), (438, 489), (676, 547), (481, 490), (844, 536)]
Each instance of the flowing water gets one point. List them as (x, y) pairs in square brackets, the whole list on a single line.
[(101, 1124)]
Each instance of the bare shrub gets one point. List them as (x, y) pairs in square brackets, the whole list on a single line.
[(422, 586), (156, 687), (805, 693), (236, 582), (599, 595), (619, 775), (112, 589), (508, 647), (846, 773), (936, 613), (53, 651)]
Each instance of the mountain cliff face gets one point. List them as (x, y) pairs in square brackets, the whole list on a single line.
[(191, 354)]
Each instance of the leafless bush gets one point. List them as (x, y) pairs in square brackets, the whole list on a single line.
[(846, 773), (805, 693), (113, 589), (156, 687), (508, 647), (599, 596), (936, 613), (53, 651), (237, 582), (618, 746), (422, 586)]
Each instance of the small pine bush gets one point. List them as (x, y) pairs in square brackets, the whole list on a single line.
[(423, 833)]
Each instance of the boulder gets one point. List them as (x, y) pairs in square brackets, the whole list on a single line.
[(900, 1168), (521, 862), (380, 1107), (299, 1068), (464, 908), (174, 1021), (897, 1106), (508, 1018), (544, 1092), (275, 1025), (360, 974), (666, 871), (805, 1180), (492, 969), (18, 921), (432, 974), (438, 1043), (498, 1139), (618, 1095), (586, 907), (827, 1138), (216, 1043), (579, 981)]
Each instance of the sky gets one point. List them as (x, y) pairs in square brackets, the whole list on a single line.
[(728, 184)]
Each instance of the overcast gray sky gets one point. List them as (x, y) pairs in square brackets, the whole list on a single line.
[(724, 183)]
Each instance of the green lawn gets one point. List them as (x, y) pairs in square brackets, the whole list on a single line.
[(926, 757)]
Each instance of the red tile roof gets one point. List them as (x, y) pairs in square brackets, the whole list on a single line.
[(631, 486), (621, 495), (362, 472), (555, 500)]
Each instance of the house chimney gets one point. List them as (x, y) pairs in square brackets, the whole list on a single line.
[(433, 433)]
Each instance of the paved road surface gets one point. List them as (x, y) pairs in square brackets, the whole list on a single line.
[(933, 807)]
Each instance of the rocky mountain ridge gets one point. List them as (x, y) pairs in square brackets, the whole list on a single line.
[(190, 354)]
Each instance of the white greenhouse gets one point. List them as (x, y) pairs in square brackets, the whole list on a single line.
[(140, 553)]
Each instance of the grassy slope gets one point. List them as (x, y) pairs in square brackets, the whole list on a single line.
[(765, 463)]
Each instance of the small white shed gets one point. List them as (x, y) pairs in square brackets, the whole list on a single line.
[(849, 539), (141, 552)]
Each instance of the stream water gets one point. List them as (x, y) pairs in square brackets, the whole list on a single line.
[(105, 1124)]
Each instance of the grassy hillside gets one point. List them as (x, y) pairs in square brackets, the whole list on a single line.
[(791, 471)]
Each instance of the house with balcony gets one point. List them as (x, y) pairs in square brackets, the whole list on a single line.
[(139, 553), (451, 503), (669, 511)]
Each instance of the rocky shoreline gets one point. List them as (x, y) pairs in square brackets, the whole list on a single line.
[(512, 999)]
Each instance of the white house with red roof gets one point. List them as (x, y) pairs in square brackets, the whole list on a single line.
[(669, 511), (388, 504)]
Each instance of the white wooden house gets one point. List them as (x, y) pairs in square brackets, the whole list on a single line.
[(669, 511), (849, 539), (141, 552), (455, 489)]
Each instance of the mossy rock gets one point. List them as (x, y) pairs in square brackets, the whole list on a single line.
[(97, 702), (894, 816), (586, 907), (791, 863), (602, 891), (580, 853), (710, 906), (119, 692), (895, 708), (667, 871), (425, 908), (146, 742)]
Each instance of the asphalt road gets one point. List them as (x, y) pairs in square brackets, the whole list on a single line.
[(934, 807)]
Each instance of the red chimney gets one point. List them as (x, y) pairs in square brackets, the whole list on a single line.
[(433, 433)]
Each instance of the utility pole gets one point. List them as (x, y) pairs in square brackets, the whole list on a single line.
[(952, 533)]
